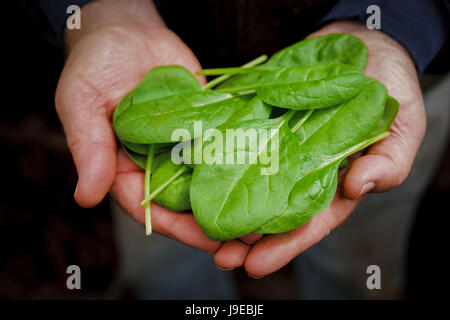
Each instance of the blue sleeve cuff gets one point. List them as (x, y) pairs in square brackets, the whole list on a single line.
[(55, 12), (421, 26)]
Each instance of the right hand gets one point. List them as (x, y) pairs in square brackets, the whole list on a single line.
[(384, 165), (119, 42)]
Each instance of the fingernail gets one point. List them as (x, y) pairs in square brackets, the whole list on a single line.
[(223, 269), (251, 238), (75, 192), (367, 188), (255, 277)]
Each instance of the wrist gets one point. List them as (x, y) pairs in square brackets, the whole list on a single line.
[(139, 15)]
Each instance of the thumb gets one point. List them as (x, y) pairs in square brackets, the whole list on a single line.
[(90, 139), (387, 163)]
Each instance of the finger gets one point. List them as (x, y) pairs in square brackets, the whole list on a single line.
[(177, 53), (200, 78), (231, 255), (128, 190), (90, 139), (387, 163), (274, 251), (125, 164), (251, 237)]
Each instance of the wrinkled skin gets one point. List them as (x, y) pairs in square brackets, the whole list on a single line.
[(112, 53)]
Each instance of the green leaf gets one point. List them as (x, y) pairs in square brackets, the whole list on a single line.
[(231, 200), (141, 159), (389, 114), (175, 196), (166, 98), (254, 108), (165, 81), (123, 105), (319, 86), (141, 148), (309, 196), (157, 83), (313, 87), (137, 158), (136, 148), (338, 47), (154, 121), (339, 137)]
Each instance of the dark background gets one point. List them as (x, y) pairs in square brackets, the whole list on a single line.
[(42, 230)]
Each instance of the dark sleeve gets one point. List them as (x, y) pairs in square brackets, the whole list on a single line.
[(52, 15), (421, 26)]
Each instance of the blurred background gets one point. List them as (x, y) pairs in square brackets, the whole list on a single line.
[(42, 229)]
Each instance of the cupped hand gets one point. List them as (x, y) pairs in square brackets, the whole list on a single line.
[(382, 167), (104, 63)]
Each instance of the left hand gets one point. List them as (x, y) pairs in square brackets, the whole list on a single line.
[(119, 43), (384, 166)]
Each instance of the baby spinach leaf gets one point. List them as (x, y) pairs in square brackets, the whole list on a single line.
[(253, 108), (343, 163), (312, 194), (136, 148), (231, 200), (317, 182), (154, 121), (165, 81), (141, 148), (157, 83), (140, 159), (161, 98), (123, 105), (309, 196), (171, 181), (315, 87), (175, 196), (389, 114), (137, 158), (318, 86), (338, 47), (160, 82)]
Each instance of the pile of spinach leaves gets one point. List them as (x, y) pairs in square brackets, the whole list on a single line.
[(313, 94)]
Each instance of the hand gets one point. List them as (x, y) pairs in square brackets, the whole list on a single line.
[(384, 166), (119, 42)]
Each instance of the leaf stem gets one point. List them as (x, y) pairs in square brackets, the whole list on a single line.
[(224, 77), (288, 115), (148, 171), (302, 121), (224, 71), (150, 197)]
